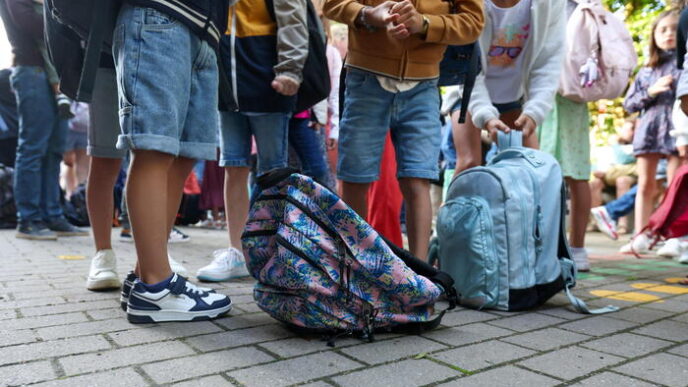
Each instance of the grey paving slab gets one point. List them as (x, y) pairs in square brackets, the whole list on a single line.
[(681, 350), (282, 373), (597, 326), (570, 363), (170, 331), (126, 377), (546, 339), (466, 316), (611, 379), (667, 330), (16, 337), (44, 321), (238, 338), (468, 334), (317, 384), (627, 345), (209, 381), (245, 321), (22, 374), (507, 376), (527, 322), (69, 307), (670, 305), (388, 350), (670, 370), (478, 356), (205, 364), (402, 374), (16, 304), (564, 312), (296, 346), (85, 328), (681, 317), (641, 315), (7, 314), (41, 350), (140, 354)]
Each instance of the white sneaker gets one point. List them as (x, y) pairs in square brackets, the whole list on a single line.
[(581, 260), (638, 245), (604, 222), (177, 267), (103, 272), (177, 236), (671, 248), (683, 258), (227, 264), (180, 300)]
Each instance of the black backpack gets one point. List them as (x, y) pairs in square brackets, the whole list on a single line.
[(8, 209), (75, 209), (315, 86)]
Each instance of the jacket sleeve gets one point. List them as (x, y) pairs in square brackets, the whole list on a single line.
[(292, 38), (637, 98), (480, 105), (343, 11), (543, 82), (26, 18), (463, 27)]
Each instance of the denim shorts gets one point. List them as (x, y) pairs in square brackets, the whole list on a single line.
[(103, 128), (167, 79), (76, 140), (270, 132), (413, 116), (502, 108)]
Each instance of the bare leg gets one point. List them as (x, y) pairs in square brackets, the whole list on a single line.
[(356, 196), (236, 203), (148, 203), (82, 165), (69, 177), (580, 210), (176, 177), (467, 143), (596, 187), (672, 166), (416, 193), (623, 185), (100, 199), (647, 185)]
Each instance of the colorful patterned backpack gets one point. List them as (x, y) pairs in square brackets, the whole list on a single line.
[(322, 269)]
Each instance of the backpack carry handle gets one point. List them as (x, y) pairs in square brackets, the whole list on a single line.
[(513, 139)]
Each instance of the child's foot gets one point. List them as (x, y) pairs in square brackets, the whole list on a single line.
[(177, 236), (227, 264), (638, 245), (125, 235), (103, 272), (580, 257), (128, 284), (177, 300), (604, 222), (671, 248)]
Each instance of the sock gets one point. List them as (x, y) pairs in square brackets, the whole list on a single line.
[(160, 286), (579, 251)]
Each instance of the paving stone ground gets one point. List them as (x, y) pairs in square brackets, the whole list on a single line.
[(56, 333)]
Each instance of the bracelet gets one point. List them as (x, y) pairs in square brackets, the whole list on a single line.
[(426, 26), (363, 21)]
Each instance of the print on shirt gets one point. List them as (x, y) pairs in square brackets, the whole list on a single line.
[(507, 45)]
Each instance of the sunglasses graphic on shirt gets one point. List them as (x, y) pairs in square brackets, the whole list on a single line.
[(512, 52)]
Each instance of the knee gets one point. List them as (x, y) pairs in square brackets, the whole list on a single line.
[(412, 188)]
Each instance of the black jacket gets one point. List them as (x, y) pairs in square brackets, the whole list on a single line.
[(24, 27)]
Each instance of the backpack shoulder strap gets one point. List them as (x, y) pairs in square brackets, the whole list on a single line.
[(469, 83), (568, 266), (98, 29)]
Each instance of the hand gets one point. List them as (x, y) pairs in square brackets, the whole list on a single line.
[(331, 144), (408, 16), (380, 16), (494, 125), (662, 85), (683, 153), (525, 124), (316, 126), (684, 104), (285, 85)]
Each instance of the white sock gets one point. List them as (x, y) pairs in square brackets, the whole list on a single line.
[(579, 251)]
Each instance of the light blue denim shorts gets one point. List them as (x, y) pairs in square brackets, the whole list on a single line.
[(413, 116), (270, 131), (167, 81)]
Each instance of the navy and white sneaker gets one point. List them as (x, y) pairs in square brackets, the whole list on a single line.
[(128, 284), (180, 300)]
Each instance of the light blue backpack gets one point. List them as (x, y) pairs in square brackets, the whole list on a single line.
[(501, 232)]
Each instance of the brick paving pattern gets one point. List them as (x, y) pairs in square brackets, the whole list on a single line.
[(56, 333)]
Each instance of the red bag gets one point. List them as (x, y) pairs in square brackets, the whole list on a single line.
[(670, 219)]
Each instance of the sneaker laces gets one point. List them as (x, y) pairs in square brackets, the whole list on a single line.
[(181, 286)]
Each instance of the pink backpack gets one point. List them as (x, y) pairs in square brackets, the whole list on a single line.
[(322, 269), (600, 57)]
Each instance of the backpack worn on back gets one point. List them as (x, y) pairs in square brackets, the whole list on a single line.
[(315, 86), (501, 231), (600, 56), (322, 269)]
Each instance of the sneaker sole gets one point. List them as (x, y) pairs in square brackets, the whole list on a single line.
[(112, 283), (178, 240), (604, 230), (70, 234), (206, 278), (126, 239), (36, 237), (147, 317)]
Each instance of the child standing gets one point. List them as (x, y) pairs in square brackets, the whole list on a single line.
[(652, 94), (167, 75), (522, 49)]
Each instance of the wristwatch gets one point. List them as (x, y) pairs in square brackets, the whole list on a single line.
[(426, 25)]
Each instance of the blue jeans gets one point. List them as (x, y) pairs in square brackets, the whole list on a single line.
[(309, 146), (40, 146), (413, 116), (623, 205)]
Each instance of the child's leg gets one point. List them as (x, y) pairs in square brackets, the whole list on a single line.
[(647, 185), (672, 166), (148, 203), (416, 192), (467, 143), (580, 210), (236, 202), (179, 171), (100, 199)]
